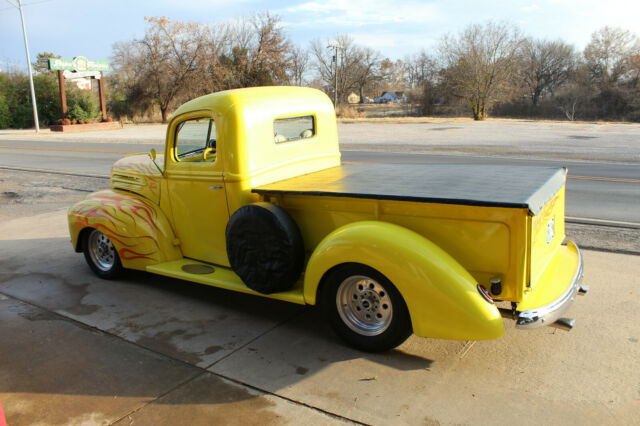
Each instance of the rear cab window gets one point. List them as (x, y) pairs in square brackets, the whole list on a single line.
[(292, 129)]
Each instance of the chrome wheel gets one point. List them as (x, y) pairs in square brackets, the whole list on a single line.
[(364, 305), (101, 251)]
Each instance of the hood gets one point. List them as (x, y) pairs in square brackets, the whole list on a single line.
[(138, 173)]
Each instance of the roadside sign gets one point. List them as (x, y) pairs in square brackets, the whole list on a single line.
[(70, 75), (83, 83), (79, 63)]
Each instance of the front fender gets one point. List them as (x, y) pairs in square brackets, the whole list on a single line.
[(138, 229), (441, 295)]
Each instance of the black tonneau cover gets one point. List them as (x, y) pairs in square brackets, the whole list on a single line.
[(474, 185)]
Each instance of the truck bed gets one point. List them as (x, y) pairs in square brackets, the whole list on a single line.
[(475, 185)]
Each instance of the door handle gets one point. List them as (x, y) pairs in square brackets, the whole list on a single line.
[(216, 187)]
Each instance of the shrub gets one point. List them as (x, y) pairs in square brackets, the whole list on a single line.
[(5, 119), (83, 105)]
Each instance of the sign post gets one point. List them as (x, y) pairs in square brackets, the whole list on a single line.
[(82, 66), (101, 92), (63, 94)]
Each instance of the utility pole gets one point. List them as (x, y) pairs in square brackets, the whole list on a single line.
[(335, 57), (26, 48)]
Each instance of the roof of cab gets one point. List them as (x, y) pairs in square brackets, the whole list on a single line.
[(252, 96)]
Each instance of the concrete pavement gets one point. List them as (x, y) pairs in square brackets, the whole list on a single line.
[(148, 349)]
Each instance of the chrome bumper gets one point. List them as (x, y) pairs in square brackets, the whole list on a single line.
[(551, 314)]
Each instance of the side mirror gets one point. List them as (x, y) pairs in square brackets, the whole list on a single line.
[(153, 156), (206, 152)]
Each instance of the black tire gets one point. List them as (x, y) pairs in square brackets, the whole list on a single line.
[(101, 255), (265, 247), (364, 308)]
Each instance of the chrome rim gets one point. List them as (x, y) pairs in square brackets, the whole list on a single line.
[(364, 305), (101, 251)]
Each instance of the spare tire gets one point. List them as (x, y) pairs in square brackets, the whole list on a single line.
[(265, 247)]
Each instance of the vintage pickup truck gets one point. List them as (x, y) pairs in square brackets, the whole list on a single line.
[(251, 195)]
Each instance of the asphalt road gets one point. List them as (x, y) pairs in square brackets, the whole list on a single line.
[(595, 190)]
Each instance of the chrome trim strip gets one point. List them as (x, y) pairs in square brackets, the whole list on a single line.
[(548, 314)]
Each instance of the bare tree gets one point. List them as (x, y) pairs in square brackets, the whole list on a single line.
[(211, 75), (609, 55), (546, 65), (421, 68), (480, 62), (366, 70), (635, 70), (572, 98), (259, 53), (357, 66), (161, 64), (299, 65)]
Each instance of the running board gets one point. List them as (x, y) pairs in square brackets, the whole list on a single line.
[(221, 277)]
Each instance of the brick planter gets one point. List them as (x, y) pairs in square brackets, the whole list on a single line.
[(91, 127)]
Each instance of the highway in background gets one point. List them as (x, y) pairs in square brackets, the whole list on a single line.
[(595, 190)]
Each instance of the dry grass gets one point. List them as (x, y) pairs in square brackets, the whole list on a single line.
[(349, 112)]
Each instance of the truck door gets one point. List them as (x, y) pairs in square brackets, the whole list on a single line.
[(195, 177)]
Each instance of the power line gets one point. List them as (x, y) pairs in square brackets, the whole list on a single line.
[(37, 2), (24, 4)]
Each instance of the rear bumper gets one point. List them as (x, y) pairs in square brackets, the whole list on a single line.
[(552, 312)]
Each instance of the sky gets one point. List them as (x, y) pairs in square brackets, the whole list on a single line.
[(394, 27)]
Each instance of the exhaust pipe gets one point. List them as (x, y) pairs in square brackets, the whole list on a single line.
[(565, 324)]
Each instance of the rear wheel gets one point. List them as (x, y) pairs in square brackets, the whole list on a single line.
[(101, 255), (365, 308)]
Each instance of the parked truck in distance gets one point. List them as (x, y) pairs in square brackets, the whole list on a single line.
[(250, 195)]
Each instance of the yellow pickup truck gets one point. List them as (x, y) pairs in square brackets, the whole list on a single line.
[(251, 196)]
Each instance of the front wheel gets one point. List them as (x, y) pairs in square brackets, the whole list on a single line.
[(365, 308), (101, 255)]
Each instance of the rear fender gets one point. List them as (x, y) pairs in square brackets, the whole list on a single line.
[(442, 297), (138, 229)]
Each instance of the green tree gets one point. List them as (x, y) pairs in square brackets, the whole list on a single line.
[(5, 118), (47, 98), (41, 64)]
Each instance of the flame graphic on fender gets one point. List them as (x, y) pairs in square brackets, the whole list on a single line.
[(115, 213)]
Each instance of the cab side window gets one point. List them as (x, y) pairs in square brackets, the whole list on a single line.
[(196, 140)]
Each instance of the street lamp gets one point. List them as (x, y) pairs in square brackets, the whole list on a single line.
[(26, 47), (335, 91)]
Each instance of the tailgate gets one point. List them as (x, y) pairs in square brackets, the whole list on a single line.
[(547, 233)]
